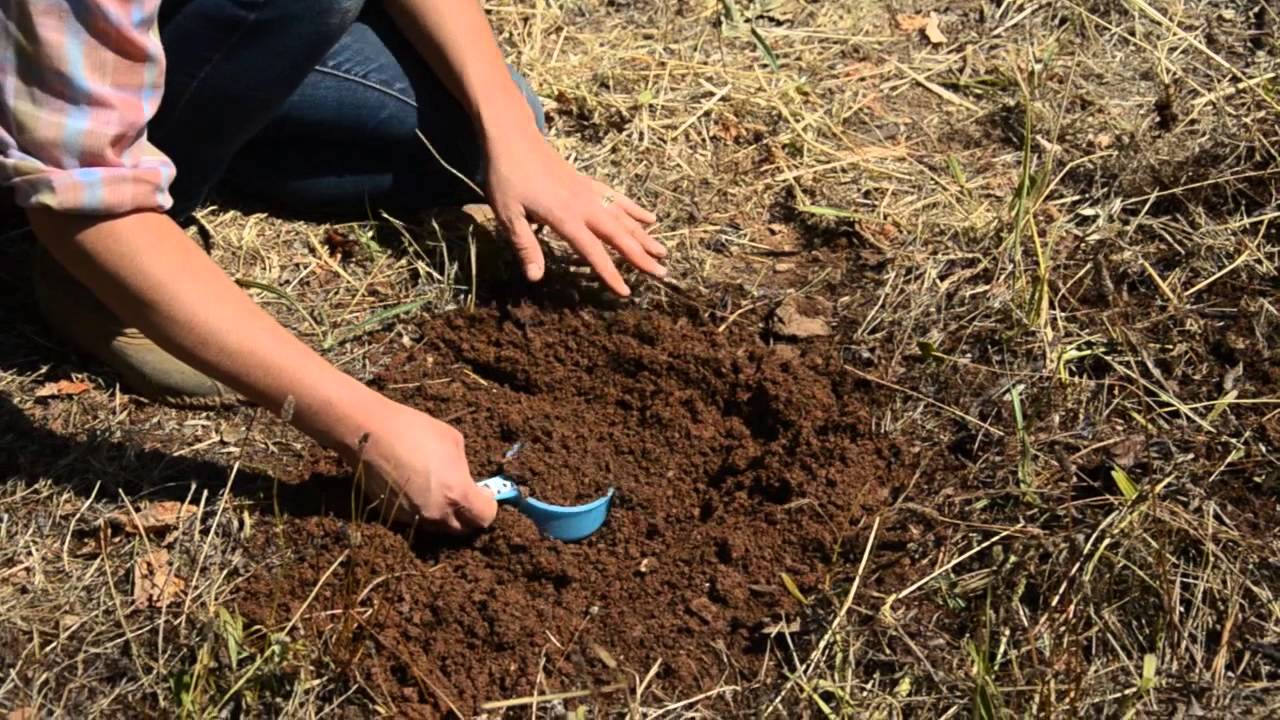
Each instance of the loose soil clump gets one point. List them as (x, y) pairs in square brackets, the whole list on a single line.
[(741, 474)]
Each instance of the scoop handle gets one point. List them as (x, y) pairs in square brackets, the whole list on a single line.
[(504, 491)]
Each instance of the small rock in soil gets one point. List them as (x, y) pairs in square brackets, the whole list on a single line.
[(801, 318)]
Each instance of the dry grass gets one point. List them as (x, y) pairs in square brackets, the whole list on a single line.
[(1051, 245)]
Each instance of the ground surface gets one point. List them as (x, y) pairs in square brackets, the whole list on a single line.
[(1028, 464), (734, 466)]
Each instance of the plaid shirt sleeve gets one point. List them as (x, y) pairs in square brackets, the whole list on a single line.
[(79, 80)]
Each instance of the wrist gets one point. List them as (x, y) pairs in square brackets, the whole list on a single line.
[(504, 115), (339, 416)]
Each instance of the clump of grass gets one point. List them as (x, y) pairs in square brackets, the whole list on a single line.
[(1134, 558), (76, 641)]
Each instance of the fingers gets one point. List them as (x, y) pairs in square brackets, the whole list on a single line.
[(608, 227), (605, 227), (629, 206), (590, 216), (526, 243), (631, 217), (450, 525), (477, 508), (637, 232), (589, 247), (634, 210), (469, 508)]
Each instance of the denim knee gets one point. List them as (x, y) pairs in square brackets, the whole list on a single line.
[(325, 20), (337, 15), (530, 97)]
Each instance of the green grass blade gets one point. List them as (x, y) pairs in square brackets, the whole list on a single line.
[(1125, 483), (731, 13), (286, 298), (765, 49), (376, 320)]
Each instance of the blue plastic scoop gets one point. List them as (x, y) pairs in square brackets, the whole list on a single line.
[(567, 524)]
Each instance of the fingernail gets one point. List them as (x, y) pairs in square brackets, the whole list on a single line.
[(661, 272), (533, 271)]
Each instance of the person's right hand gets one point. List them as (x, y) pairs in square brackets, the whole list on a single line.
[(415, 468)]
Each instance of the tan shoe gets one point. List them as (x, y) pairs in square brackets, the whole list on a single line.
[(476, 220), (73, 312)]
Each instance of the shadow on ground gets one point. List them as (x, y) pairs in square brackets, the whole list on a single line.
[(90, 456)]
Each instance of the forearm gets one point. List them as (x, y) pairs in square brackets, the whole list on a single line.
[(457, 41), (152, 275)]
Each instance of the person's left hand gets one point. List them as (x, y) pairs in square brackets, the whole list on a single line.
[(529, 182)]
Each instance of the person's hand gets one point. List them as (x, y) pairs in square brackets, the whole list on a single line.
[(529, 182), (415, 468)]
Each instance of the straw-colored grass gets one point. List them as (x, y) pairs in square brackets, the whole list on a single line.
[(1051, 244)]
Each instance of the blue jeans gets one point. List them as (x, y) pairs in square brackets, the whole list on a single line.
[(311, 107)]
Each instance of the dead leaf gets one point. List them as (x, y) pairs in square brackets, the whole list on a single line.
[(729, 129), (1101, 141), (860, 70), (781, 240), (154, 584), (340, 244), (911, 23), (1231, 377), (785, 351), (782, 626), (933, 31), (605, 656), (154, 518), (800, 318), (92, 546), (61, 388), (1127, 452), (233, 433), (930, 24), (704, 609), (18, 574), (880, 233)]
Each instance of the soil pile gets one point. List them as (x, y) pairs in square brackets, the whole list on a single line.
[(739, 470)]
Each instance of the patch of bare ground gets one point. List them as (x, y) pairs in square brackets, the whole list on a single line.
[(1042, 238)]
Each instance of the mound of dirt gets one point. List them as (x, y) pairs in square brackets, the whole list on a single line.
[(739, 472)]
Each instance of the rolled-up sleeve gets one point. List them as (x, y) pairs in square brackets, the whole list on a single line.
[(80, 80)]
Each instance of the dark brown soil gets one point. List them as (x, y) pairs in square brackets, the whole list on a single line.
[(735, 464)]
